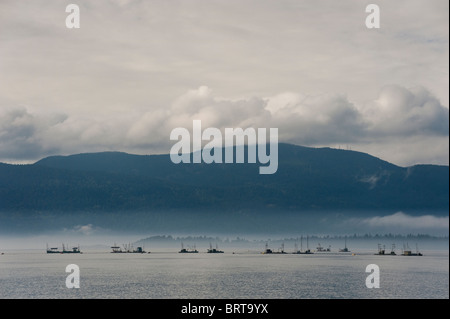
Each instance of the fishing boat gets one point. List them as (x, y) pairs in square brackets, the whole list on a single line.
[(214, 250), (382, 251), (127, 249), (53, 250), (320, 249), (187, 251), (267, 250), (280, 250), (138, 250), (307, 251), (74, 250), (392, 253), (407, 251), (116, 249), (345, 249)]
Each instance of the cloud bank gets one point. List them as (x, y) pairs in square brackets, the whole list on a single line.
[(402, 221), (137, 69), (409, 120)]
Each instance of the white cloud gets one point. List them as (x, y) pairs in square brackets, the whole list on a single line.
[(397, 126), (127, 52), (21, 132), (312, 69), (400, 220), (84, 229), (401, 111)]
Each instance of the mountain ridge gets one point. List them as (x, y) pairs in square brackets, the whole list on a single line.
[(307, 179)]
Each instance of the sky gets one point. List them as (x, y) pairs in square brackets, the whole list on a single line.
[(136, 69)]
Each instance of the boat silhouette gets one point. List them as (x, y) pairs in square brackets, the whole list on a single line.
[(127, 249), (187, 251), (214, 250), (345, 249), (407, 251), (382, 251), (54, 250), (301, 252), (320, 249)]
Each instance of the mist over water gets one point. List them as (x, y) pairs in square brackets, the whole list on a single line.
[(244, 223), (242, 271), (89, 230), (170, 242)]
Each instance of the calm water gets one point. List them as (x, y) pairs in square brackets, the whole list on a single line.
[(34, 274)]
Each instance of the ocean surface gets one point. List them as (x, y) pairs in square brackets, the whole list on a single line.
[(243, 274)]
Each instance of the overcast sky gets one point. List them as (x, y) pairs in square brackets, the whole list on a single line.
[(137, 69)]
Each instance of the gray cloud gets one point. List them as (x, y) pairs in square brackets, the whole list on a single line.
[(312, 69), (127, 52), (21, 133), (403, 221), (324, 119), (405, 112), (88, 229)]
